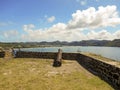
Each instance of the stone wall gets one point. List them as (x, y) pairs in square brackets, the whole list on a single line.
[(2, 54), (107, 72), (46, 55), (70, 56)]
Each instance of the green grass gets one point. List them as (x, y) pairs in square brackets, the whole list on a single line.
[(39, 74)]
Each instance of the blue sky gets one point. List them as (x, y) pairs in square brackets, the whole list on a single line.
[(64, 20)]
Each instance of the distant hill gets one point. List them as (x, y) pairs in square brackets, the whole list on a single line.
[(114, 43), (90, 43)]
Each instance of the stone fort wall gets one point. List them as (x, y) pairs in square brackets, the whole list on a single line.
[(46, 55), (2, 54), (105, 71)]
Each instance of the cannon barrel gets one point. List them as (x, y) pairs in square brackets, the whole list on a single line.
[(58, 61)]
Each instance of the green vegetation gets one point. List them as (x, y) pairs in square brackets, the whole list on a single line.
[(18, 45), (114, 43), (39, 74)]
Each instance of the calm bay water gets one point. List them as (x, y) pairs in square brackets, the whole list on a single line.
[(109, 52)]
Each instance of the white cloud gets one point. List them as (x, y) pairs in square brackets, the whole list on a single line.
[(101, 35), (28, 27), (83, 3), (51, 19), (89, 19), (52, 33), (10, 36), (10, 33), (3, 24), (117, 34), (59, 32), (92, 18), (6, 23)]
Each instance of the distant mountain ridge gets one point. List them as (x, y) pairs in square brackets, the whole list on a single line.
[(114, 43)]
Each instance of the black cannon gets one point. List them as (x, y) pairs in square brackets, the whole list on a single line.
[(58, 61)]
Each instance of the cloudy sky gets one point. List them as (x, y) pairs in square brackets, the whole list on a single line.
[(64, 20)]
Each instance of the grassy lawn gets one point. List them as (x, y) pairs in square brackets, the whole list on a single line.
[(39, 74)]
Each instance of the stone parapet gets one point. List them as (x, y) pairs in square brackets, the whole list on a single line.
[(105, 71), (2, 54), (46, 55)]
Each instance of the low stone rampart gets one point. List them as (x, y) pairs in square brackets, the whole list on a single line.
[(105, 71), (70, 56), (44, 55), (2, 54)]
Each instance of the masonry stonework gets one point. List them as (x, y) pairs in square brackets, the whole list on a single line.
[(105, 71), (2, 54), (44, 55)]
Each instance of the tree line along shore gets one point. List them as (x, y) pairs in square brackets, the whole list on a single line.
[(108, 43)]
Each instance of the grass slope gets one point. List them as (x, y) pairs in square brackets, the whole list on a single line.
[(39, 74)]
